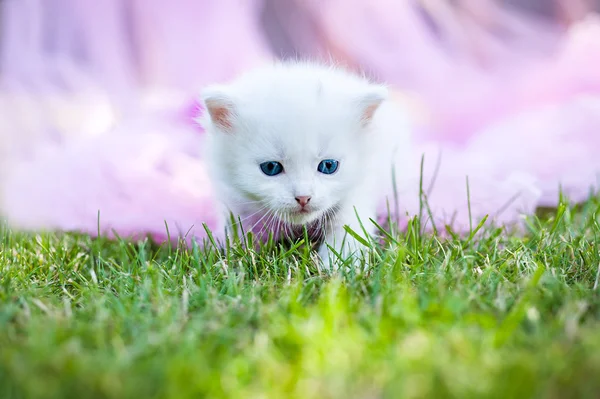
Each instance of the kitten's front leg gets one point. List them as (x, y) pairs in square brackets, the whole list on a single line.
[(349, 252), (347, 246)]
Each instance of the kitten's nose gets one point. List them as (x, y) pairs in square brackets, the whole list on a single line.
[(303, 200)]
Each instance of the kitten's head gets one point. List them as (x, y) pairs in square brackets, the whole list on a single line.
[(291, 140)]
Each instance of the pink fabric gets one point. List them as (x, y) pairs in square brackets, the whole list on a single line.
[(134, 180)]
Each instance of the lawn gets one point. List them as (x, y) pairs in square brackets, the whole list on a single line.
[(492, 314)]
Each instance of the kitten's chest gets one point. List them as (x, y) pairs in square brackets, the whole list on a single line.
[(288, 234), (314, 232)]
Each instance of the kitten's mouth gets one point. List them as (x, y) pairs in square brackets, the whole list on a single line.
[(307, 215), (303, 216)]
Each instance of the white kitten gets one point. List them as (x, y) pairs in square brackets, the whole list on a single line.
[(299, 144)]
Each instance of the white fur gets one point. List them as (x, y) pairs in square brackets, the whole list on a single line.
[(299, 114)]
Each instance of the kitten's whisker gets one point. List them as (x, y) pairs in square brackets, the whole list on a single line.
[(274, 223), (325, 223), (279, 223), (267, 223), (265, 227), (330, 220), (238, 221), (260, 220), (245, 202), (288, 227)]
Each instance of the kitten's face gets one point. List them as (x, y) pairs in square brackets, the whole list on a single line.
[(293, 170)]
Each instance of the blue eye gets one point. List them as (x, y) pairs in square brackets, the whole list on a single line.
[(328, 166), (271, 168)]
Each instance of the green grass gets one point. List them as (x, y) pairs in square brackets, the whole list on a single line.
[(494, 315)]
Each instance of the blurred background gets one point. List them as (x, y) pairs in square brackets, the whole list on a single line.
[(84, 64), (73, 69)]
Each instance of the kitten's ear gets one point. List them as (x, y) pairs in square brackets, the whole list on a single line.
[(370, 102), (220, 107)]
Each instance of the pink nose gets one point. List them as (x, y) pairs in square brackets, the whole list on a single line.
[(303, 200)]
